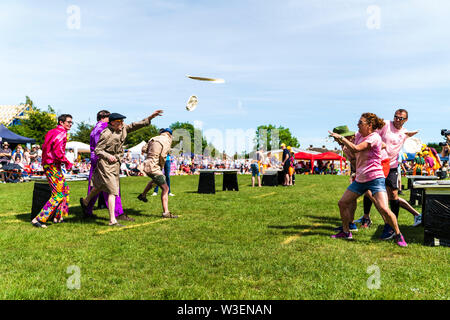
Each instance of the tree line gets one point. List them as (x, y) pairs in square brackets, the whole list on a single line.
[(38, 122)]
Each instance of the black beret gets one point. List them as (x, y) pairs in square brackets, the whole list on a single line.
[(116, 116)]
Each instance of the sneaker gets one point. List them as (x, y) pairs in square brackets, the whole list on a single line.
[(359, 220), (154, 194), (366, 223), (169, 215), (388, 233), (398, 238), (124, 217), (342, 235), (417, 220), (142, 198), (116, 225), (171, 194), (351, 226)]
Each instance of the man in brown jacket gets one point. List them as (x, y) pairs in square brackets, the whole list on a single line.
[(109, 150), (157, 149)]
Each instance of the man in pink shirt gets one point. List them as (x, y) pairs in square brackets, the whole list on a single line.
[(393, 135), (53, 156)]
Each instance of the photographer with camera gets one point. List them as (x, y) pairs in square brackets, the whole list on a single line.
[(445, 145)]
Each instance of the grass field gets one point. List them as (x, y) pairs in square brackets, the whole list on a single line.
[(258, 243)]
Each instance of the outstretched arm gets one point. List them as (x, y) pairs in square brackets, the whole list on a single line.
[(350, 145), (143, 123), (412, 133)]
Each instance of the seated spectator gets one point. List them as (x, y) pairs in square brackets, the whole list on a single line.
[(5, 154), (124, 169), (18, 153), (33, 153)]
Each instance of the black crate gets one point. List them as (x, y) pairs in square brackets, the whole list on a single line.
[(41, 194), (436, 219)]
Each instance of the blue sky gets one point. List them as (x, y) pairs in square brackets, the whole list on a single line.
[(308, 65)]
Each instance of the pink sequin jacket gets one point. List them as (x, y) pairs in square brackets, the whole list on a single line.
[(54, 148)]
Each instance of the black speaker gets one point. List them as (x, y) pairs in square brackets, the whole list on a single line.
[(441, 174), (436, 219), (41, 194), (206, 183), (230, 182)]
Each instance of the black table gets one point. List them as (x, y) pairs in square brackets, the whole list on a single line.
[(207, 184), (435, 212), (274, 177), (417, 194)]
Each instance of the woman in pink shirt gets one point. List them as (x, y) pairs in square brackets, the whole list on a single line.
[(369, 176)]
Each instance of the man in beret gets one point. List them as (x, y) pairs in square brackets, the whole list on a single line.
[(157, 149), (109, 151), (102, 123)]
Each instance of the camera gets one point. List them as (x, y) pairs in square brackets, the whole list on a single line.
[(445, 133)]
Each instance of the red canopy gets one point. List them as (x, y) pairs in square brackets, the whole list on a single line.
[(320, 156), (329, 156), (304, 156)]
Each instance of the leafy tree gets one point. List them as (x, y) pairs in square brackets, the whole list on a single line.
[(143, 134), (284, 136), (37, 123), (83, 132), (192, 133), (435, 146)]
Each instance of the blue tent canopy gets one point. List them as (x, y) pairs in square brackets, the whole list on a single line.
[(12, 137)]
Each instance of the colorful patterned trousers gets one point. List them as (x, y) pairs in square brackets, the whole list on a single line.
[(59, 200)]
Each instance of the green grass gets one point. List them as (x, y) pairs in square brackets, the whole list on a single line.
[(258, 243)]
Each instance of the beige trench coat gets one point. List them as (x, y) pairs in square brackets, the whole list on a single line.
[(106, 175), (157, 149)]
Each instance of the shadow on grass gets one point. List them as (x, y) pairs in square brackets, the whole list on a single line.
[(324, 219), (411, 234), (304, 230), (76, 216)]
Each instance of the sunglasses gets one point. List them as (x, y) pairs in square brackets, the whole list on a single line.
[(399, 118), (119, 121), (361, 122), (69, 122)]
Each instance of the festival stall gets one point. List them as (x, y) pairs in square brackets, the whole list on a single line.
[(78, 147), (13, 138), (326, 156)]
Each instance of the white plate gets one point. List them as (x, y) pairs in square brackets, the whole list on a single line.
[(191, 104), (206, 79)]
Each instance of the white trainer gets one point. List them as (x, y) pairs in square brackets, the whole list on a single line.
[(417, 220)]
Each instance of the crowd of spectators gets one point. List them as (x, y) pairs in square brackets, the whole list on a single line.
[(18, 164)]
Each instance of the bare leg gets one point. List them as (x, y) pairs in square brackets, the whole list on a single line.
[(405, 205), (381, 203), (259, 181), (111, 208), (347, 205), (147, 188), (165, 198), (253, 181), (94, 192)]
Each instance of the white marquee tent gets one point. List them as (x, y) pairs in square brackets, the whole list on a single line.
[(78, 147), (137, 149)]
